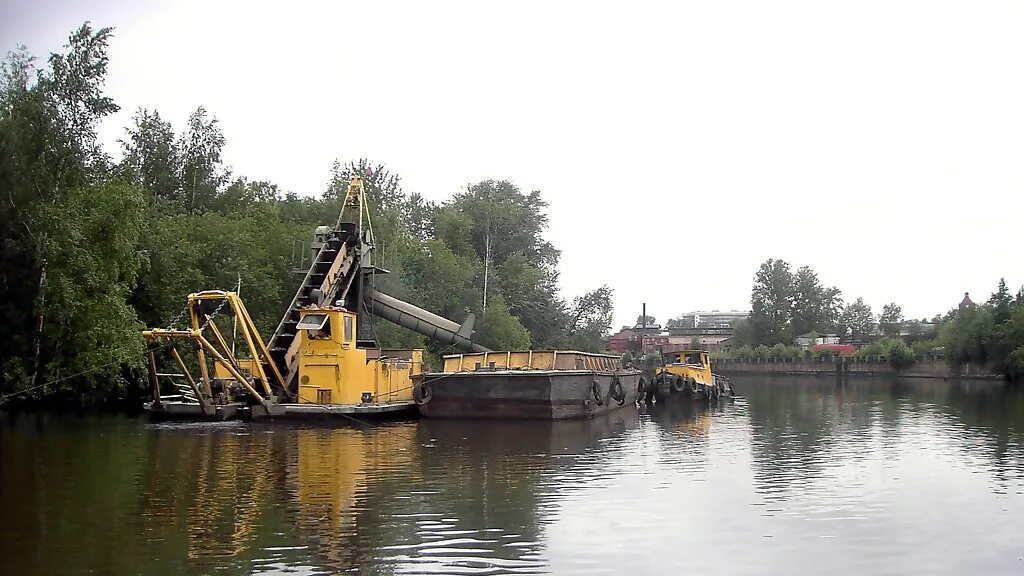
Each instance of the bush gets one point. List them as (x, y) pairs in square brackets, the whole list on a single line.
[(900, 355), (1015, 363), (744, 353)]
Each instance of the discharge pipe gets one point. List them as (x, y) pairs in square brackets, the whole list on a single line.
[(423, 322)]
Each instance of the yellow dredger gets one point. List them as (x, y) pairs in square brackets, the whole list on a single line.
[(316, 362), (336, 374)]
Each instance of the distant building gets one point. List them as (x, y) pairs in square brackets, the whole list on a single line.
[(619, 342), (710, 319), (814, 339), (628, 337), (668, 343), (966, 303)]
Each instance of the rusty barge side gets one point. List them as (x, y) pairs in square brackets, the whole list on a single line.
[(545, 385)]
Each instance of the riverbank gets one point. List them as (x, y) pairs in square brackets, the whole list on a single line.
[(869, 367)]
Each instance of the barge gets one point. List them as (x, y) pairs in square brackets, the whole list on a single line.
[(543, 385)]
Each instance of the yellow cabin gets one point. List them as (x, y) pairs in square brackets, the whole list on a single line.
[(336, 368), (693, 366), (687, 373)]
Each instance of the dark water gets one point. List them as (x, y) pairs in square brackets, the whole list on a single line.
[(794, 477)]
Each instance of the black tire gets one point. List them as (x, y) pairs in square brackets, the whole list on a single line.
[(678, 384), (661, 388), (617, 392), (595, 390), (422, 393)]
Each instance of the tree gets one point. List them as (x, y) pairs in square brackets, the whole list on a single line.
[(69, 230), (676, 323), (152, 159), (815, 308), (743, 333), (1001, 302), (891, 320), (772, 302), (590, 319), (857, 319), (383, 188), (202, 173), (642, 320), (496, 224)]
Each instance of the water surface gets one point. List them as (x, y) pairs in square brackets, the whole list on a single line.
[(796, 476)]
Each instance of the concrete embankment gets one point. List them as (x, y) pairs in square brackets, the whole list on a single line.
[(870, 367)]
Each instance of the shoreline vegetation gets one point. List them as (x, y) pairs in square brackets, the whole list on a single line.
[(784, 305), (95, 250)]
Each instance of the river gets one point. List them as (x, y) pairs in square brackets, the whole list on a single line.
[(794, 476)]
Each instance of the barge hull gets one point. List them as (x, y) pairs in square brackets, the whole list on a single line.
[(194, 412), (527, 394)]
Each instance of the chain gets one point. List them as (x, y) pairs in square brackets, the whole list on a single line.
[(181, 315), (209, 317)]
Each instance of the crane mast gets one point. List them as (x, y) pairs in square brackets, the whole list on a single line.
[(337, 275)]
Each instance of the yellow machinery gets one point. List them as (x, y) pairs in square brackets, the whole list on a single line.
[(334, 369), (314, 362), (337, 373), (687, 374), (251, 381)]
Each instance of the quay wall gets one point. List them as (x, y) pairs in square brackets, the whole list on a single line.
[(928, 368)]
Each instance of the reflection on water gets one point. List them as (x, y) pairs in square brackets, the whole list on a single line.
[(795, 476)]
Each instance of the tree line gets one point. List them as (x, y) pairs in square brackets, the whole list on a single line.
[(786, 304), (93, 250)]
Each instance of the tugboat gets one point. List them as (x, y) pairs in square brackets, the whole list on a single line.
[(687, 375), (533, 384)]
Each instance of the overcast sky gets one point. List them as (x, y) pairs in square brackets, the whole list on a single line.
[(678, 144)]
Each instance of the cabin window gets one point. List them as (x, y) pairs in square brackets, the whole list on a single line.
[(348, 328), (318, 326)]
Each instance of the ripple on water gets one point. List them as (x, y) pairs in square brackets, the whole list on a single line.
[(795, 476)]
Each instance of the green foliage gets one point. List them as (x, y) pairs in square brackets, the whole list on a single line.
[(900, 355), (970, 337), (1015, 363), (785, 305), (744, 352), (590, 318), (895, 350), (1001, 303), (815, 308), (69, 226), (743, 333), (771, 302), (858, 320), (926, 347), (500, 329), (891, 320)]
